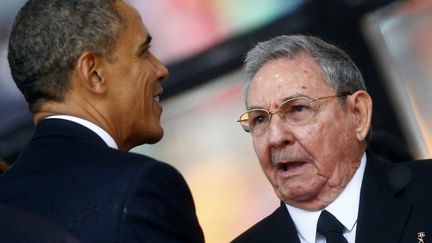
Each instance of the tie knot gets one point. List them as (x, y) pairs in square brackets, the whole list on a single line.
[(330, 228)]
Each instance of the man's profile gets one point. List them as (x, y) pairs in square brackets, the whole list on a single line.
[(93, 86)]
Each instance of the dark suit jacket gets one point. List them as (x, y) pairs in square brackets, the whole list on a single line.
[(69, 176), (18, 226), (395, 205)]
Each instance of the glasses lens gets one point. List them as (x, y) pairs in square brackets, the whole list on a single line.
[(297, 110), (244, 121), (258, 120)]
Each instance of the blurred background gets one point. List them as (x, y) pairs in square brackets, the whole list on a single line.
[(203, 43)]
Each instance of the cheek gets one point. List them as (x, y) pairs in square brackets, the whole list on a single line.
[(264, 157), (259, 149), (318, 140), (263, 154), (328, 142), (311, 137), (144, 88), (326, 130)]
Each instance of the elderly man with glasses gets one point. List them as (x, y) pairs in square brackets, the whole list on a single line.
[(309, 116)]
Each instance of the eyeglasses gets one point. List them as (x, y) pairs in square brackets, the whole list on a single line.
[(296, 110)]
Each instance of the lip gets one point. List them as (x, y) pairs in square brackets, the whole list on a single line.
[(156, 97), (159, 92), (290, 168)]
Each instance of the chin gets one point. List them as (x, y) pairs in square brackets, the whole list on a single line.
[(155, 137)]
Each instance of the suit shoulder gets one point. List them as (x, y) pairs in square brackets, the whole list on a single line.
[(420, 171), (134, 160), (256, 232), (421, 165), (268, 228), (416, 168)]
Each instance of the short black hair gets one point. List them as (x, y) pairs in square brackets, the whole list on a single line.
[(47, 38)]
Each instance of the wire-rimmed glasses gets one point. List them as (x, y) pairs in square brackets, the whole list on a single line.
[(295, 110)]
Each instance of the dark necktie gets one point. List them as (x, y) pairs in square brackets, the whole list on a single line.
[(330, 228)]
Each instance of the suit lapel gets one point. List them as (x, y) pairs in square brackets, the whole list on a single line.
[(284, 228), (382, 217), (278, 227)]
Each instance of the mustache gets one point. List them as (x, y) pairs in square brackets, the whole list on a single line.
[(290, 155)]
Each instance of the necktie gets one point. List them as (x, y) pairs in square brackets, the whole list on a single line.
[(330, 228)]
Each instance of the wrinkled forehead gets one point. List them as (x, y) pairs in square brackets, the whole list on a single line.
[(288, 76)]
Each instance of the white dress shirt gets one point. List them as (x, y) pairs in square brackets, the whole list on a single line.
[(104, 135), (344, 208)]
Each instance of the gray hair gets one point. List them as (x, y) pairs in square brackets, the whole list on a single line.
[(47, 38), (340, 71)]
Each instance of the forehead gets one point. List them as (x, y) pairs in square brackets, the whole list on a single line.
[(135, 31), (127, 11), (286, 76)]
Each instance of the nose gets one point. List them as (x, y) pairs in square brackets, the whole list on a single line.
[(161, 70), (279, 133)]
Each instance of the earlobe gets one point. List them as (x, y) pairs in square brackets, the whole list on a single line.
[(90, 73), (362, 110)]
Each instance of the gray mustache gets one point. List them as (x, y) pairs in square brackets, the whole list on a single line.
[(283, 155)]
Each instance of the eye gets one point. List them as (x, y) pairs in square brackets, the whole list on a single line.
[(144, 52), (257, 118), (296, 105), (297, 109)]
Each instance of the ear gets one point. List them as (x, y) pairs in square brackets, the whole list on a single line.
[(361, 104), (89, 68)]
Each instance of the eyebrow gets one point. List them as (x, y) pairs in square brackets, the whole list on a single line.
[(296, 95)]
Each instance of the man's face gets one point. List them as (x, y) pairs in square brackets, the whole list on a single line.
[(135, 76), (308, 164)]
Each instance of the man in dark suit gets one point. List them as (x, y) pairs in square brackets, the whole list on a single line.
[(93, 85), (309, 116)]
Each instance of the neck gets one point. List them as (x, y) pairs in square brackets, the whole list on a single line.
[(77, 109)]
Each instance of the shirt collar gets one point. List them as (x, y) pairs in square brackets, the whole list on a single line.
[(95, 128), (344, 208)]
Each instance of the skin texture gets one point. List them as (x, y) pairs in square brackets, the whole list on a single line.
[(308, 165), (121, 94)]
